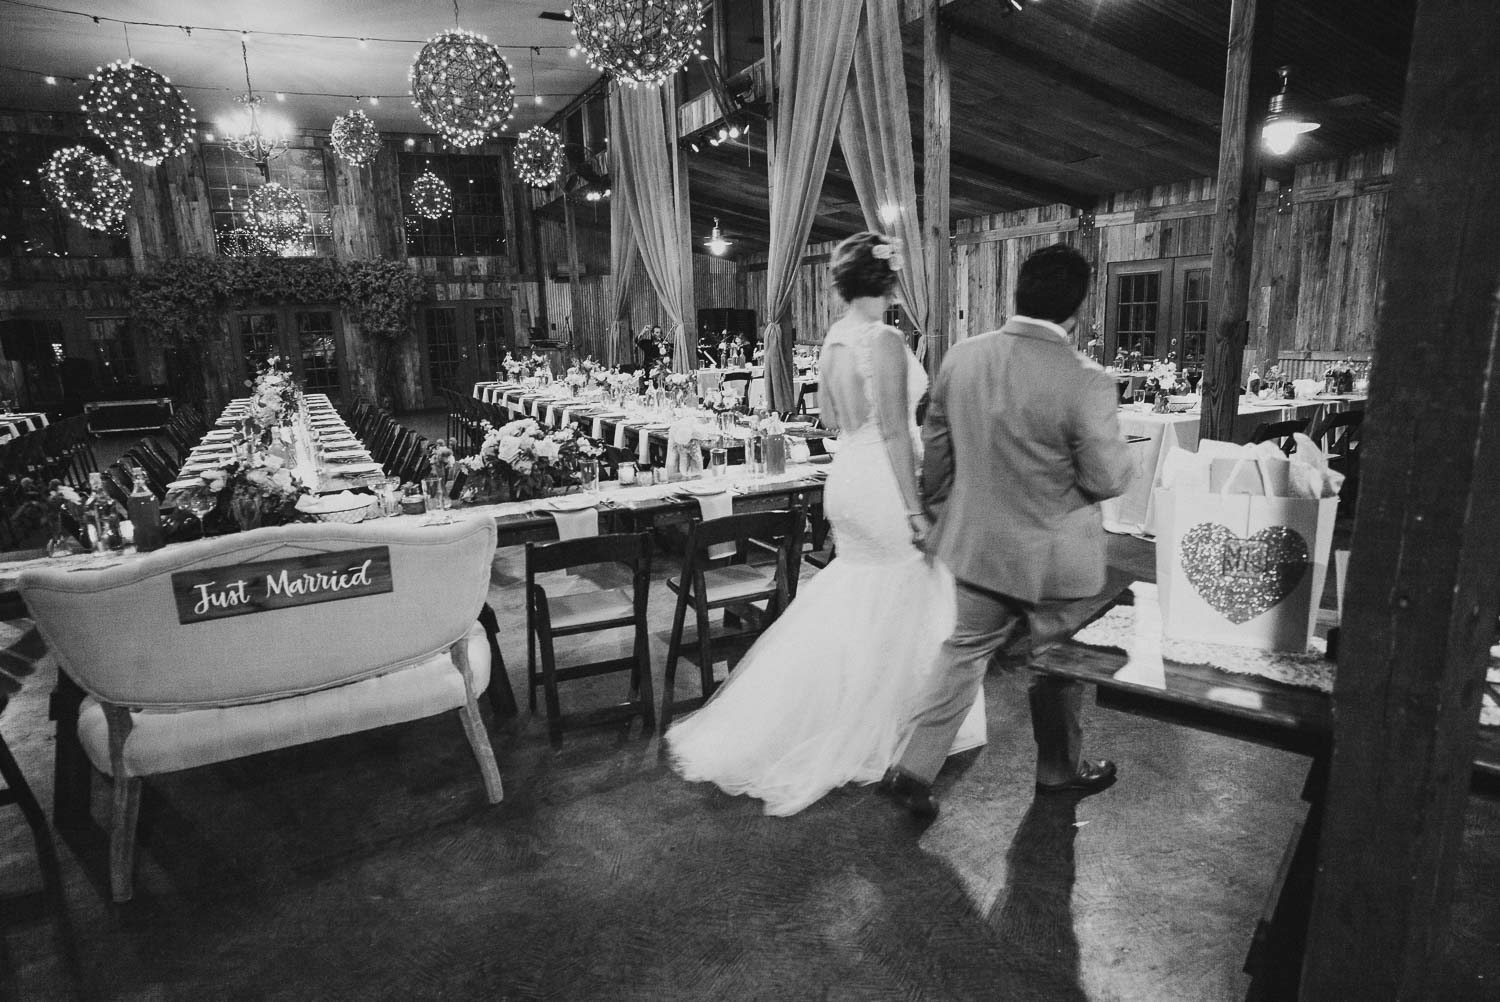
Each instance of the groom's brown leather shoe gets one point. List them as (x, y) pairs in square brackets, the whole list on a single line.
[(1091, 777), (912, 794)]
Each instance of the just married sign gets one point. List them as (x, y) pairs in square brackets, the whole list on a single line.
[(239, 589)]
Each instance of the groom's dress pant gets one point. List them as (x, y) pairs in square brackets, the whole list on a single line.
[(990, 626)]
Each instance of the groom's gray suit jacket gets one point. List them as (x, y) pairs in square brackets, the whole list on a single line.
[(1021, 444)]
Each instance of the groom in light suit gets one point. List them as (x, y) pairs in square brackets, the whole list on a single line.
[(1021, 446)]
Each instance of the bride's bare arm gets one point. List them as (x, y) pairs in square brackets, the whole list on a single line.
[(893, 414)]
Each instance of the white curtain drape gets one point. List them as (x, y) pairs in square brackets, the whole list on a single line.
[(619, 347), (643, 149), (812, 74), (875, 137)]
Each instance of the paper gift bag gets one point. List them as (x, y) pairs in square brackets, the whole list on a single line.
[(1242, 569)]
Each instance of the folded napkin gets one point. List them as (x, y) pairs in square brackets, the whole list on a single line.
[(620, 435), (643, 448), (576, 524), (712, 506)]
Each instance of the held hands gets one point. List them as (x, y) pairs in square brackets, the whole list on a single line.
[(921, 529)]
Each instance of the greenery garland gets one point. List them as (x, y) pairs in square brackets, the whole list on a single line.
[(181, 298)]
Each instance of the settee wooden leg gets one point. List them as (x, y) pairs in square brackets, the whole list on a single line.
[(479, 740), (125, 809)]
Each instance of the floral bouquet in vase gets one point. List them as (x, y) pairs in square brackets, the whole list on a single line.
[(522, 460), (250, 495), (273, 395), (685, 442)]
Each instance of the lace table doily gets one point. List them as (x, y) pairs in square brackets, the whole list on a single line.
[(1136, 630)]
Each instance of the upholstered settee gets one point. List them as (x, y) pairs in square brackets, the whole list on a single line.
[(218, 649)]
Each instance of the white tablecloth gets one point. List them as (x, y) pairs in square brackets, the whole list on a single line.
[(1134, 511), (16, 425)]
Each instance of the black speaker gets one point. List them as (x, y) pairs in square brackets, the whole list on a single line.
[(22, 339)]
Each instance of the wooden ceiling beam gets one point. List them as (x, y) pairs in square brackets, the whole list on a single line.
[(1137, 111)]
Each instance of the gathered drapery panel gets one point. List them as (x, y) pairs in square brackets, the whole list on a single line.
[(619, 347), (875, 136), (812, 74), (643, 150)]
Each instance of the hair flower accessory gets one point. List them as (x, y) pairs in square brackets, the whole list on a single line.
[(887, 252)]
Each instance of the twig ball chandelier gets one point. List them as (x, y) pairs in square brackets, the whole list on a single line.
[(355, 138), (241, 242), (539, 157), (638, 41), (138, 112), (462, 87), (278, 217), (87, 187), (430, 196)]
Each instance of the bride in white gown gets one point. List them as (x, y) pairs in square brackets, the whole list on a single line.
[(825, 696)]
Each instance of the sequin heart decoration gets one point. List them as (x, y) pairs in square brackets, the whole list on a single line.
[(1242, 578)]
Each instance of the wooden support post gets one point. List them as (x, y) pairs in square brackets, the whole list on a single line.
[(539, 262), (1422, 592), (1234, 216), (937, 125), (589, 345)]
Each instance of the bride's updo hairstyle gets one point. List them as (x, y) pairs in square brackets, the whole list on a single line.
[(862, 266)]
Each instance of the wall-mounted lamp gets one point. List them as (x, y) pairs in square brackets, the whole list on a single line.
[(716, 243), (1283, 123)]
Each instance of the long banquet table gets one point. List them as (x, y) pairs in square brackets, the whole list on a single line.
[(1156, 435), (346, 462)]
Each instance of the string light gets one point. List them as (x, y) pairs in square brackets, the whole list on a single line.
[(355, 138), (430, 196), (138, 112), (539, 157), (278, 217), (638, 41), (87, 188), (462, 87), (241, 242)]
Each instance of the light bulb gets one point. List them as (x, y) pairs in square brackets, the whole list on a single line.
[(734, 132)]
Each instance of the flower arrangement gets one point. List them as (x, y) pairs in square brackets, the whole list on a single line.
[(720, 401), (678, 380), (514, 367), (440, 459), (58, 509), (531, 461), (622, 383), (249, 495), (685, 441), (273, 394), (575, 379), (539, 365), (1339, 378)]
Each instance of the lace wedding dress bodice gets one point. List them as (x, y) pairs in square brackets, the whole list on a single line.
[(862, 497)]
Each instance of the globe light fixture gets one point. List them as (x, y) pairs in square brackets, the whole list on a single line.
[(430, 196), (87, 188), (462, 87), (278, 217), (355, 138), (638, 41), (138, 112), (539, 157)]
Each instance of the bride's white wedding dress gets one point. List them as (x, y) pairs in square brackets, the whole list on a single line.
[(826, 695)]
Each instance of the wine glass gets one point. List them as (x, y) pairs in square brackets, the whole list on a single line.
[(200, 503)]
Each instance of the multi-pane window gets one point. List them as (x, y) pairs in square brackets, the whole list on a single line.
[(1136, 310), (114, 357), (302, 171), (258, 340), (443, 349), (477, 223), (318, 349), (1194, 316)]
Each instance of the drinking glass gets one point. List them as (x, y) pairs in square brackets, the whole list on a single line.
[(200, 503), (436, 490), (588, 476), (1140, 398), (718, 461)]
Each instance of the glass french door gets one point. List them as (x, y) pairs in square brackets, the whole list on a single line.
[(309, 338), (462, 343), (1158, 307)]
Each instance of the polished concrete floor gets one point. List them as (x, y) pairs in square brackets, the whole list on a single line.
[(372, 867)]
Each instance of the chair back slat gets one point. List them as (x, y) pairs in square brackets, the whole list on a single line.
[(622, 548)]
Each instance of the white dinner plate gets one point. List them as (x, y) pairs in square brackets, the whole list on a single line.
[(703, 488), (358, 469), (571, 502)]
